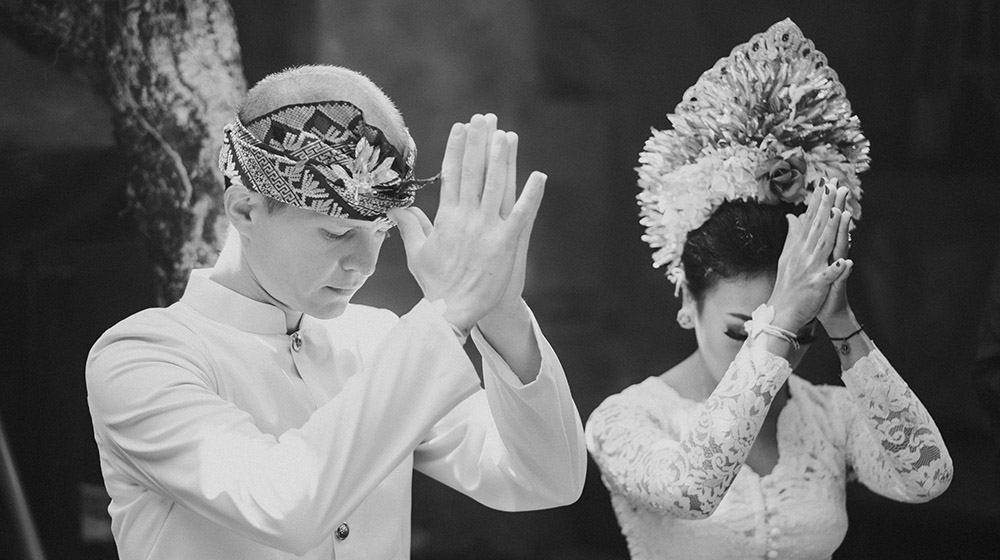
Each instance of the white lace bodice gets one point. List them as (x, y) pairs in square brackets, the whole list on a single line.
[(679, 486)]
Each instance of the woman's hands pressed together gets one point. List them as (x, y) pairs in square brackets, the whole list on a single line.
[(806, 275)]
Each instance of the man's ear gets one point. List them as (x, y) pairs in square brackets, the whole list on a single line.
[(242, 208)]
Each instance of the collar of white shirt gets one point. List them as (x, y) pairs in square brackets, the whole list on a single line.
[(221, 304)]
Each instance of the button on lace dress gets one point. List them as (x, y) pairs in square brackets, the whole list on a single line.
[(680, 489)]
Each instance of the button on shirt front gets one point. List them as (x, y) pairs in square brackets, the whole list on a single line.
[(223, 437)]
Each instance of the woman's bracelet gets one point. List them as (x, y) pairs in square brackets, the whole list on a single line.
[(844, 347), (760, 323)]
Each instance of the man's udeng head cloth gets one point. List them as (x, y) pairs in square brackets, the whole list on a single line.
[(767, 123), (320, 156)]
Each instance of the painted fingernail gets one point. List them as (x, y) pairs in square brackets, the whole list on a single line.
[(826, 189), (837, 264)]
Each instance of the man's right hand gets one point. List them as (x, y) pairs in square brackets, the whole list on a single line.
[(466, 256)]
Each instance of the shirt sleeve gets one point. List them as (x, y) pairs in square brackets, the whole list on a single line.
[(156, 410), (686, 473), (893, 445), (511, 446)]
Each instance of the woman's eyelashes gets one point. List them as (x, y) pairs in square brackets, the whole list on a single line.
[(802, 338), (740, 335)]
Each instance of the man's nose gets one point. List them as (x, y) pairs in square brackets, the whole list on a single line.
[(363, 253)]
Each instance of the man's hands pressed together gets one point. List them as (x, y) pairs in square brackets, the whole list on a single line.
[(474, 254)]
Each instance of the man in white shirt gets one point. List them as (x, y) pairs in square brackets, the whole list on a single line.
[(264, 416)]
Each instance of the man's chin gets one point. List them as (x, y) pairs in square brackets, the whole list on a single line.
[(329, 310)]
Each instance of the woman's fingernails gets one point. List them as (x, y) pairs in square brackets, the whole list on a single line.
[(837, 264)]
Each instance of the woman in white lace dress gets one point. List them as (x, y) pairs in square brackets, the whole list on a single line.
[(729, 454)]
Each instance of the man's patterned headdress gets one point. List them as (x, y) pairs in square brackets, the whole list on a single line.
[(321, 157), (766, 123)]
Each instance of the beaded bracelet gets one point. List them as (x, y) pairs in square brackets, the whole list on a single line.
[(844, 347)]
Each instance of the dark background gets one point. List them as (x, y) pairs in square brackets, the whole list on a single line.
[(581, 81)]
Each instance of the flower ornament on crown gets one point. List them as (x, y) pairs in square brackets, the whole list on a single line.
[(770, 123)]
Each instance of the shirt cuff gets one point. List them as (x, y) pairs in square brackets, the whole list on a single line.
[(439, 307), (494, 362)]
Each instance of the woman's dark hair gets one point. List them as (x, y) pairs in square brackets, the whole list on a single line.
[(741, 239)]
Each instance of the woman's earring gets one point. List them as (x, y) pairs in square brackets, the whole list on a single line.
[(684, 318)]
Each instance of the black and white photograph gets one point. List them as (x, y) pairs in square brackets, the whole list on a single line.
[(513, 280)]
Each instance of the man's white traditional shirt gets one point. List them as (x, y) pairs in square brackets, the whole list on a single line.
[(223, 437)]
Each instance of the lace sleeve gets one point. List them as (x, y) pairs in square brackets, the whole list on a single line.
[(892, 443), (685, 472)]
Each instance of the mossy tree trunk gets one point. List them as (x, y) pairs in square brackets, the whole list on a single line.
[(172, 74)]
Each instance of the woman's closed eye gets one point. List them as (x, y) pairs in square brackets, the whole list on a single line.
[(801, 338), (740, 335)]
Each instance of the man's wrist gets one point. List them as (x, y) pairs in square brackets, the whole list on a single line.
[(516, 313), (459, 322)]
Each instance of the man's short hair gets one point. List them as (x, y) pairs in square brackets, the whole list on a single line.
[(312, 83)]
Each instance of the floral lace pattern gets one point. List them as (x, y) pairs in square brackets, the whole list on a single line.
[(675, 469)]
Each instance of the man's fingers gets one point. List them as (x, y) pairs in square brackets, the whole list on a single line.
[(451, 166), (473, 163), (411, 228), (526, 208), (510, 193), (496, 176), (491, 127), (425, 223)]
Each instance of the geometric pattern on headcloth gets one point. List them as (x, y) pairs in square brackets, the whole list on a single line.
[(320, 156), (770, 123)]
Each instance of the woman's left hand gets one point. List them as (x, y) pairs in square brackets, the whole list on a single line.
[(835, 309)]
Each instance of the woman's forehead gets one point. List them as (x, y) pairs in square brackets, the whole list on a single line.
[(739, 295)]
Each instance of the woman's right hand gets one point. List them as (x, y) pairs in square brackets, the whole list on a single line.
[(805, 273)]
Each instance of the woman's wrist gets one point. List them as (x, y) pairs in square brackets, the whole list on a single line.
[(841, 325), (785, 318), (766, 328)]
